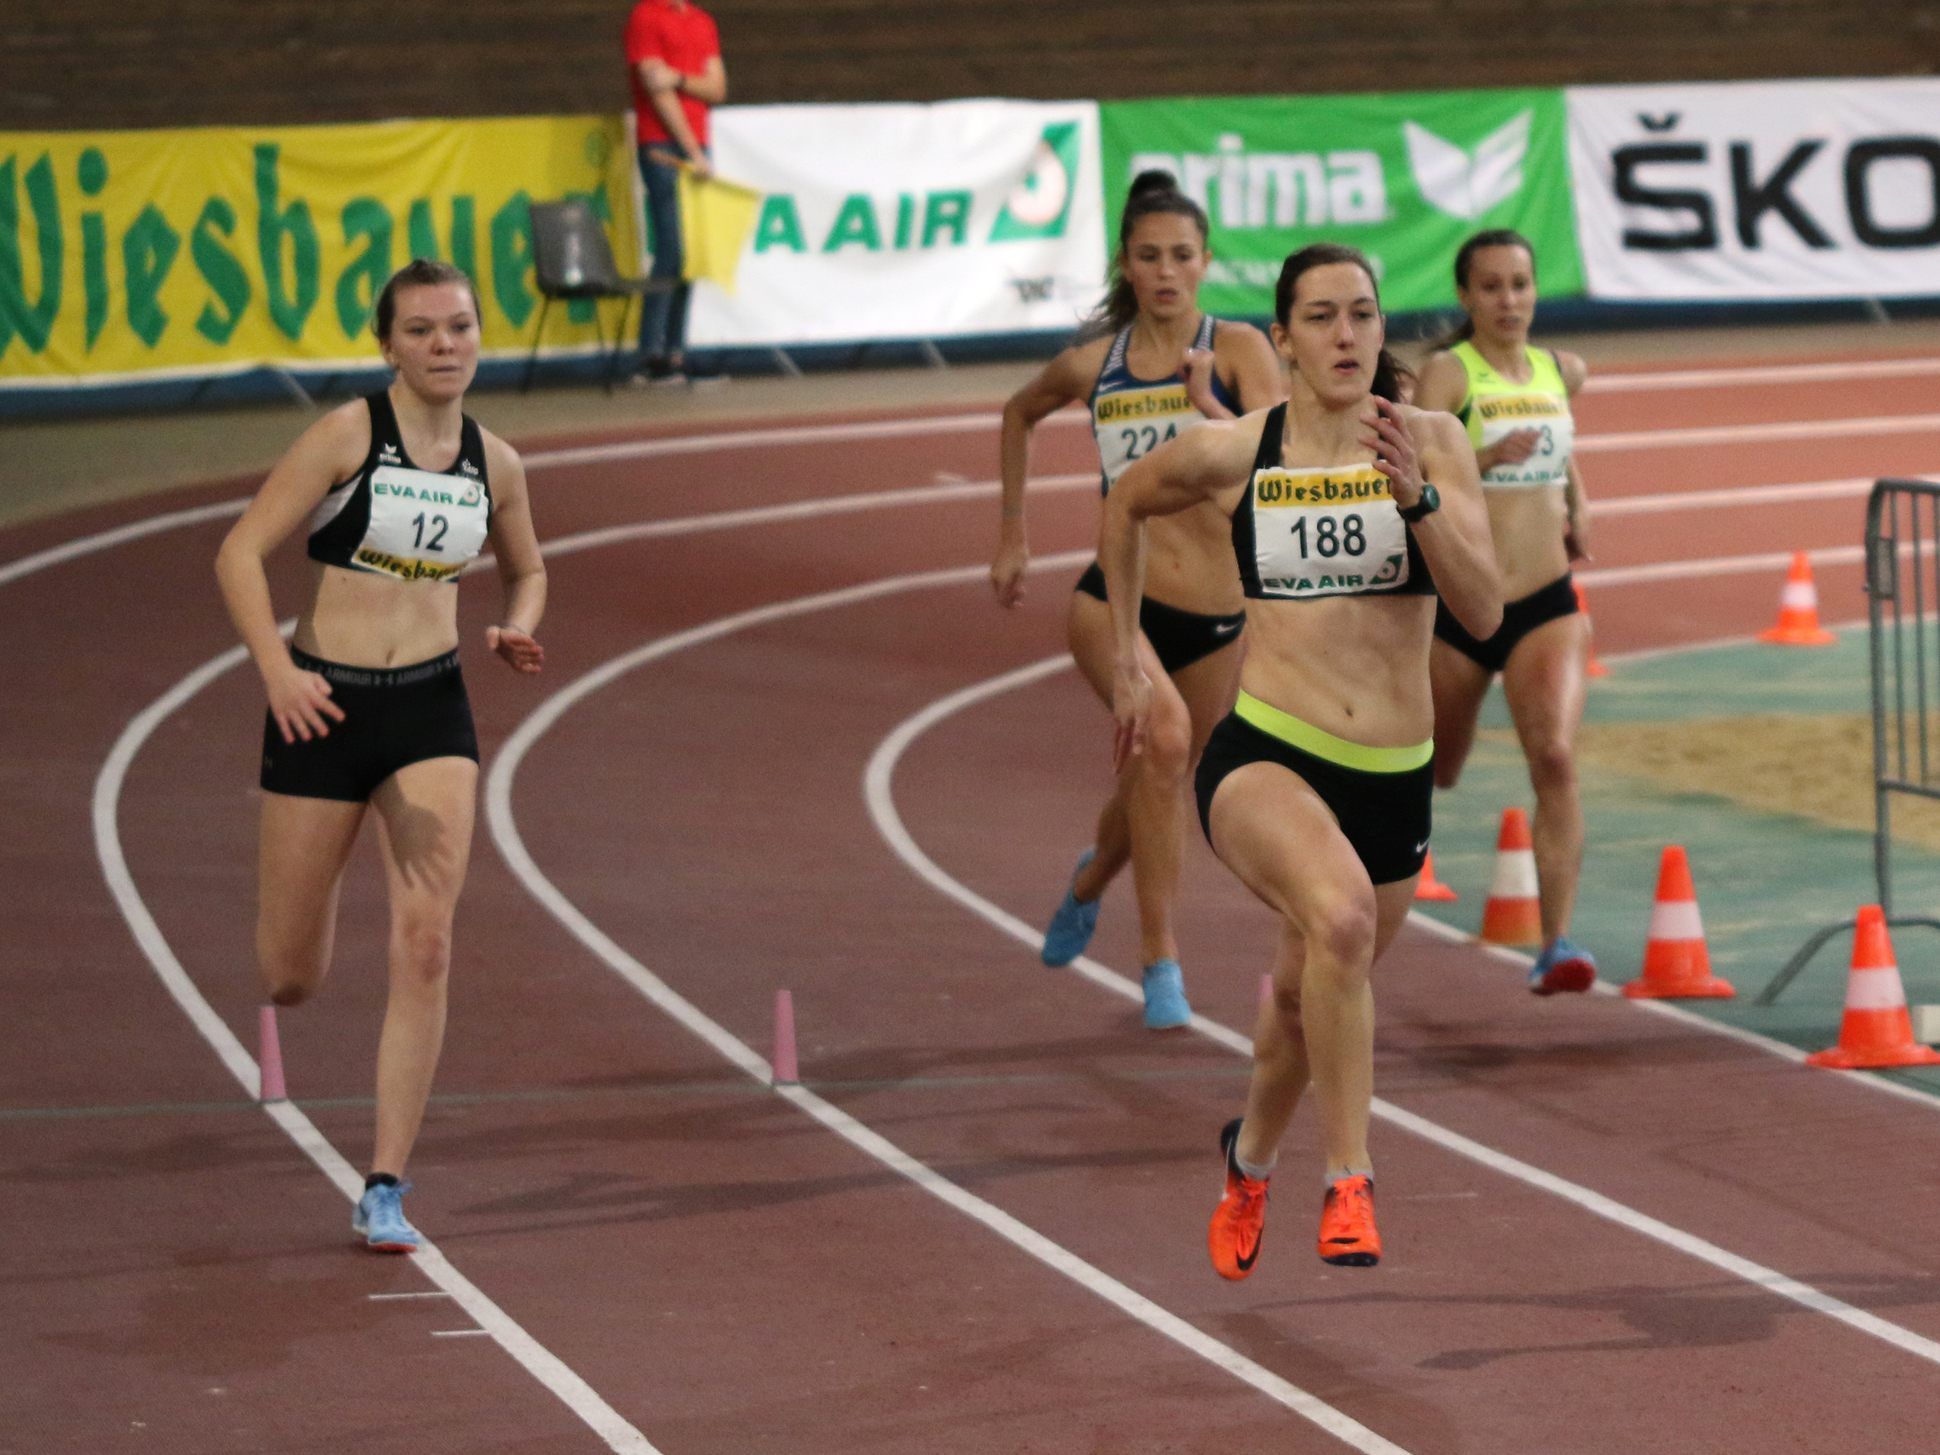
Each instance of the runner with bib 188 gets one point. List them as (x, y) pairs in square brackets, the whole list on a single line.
[(1347, 512)]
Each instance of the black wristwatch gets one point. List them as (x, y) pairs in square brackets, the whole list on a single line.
[(1430, 502)]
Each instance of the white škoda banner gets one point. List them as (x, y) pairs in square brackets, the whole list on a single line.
[(1792, 189), (909, 221)]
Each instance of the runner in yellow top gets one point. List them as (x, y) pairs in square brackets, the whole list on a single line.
[(1515, 400)]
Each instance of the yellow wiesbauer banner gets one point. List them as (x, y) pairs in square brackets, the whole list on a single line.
[(139, 252)]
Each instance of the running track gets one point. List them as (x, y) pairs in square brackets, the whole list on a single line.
[(785, 740)]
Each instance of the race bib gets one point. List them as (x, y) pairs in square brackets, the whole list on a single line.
[(1327, 532), (1131, 423), (1503, 414), (423, 527)]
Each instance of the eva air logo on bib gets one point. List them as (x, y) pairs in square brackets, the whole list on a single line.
[(1466, 183), (1040, 203)]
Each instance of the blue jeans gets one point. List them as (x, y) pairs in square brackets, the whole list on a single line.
[(663, 316)]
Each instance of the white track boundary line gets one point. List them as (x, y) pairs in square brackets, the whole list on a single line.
[(505, 833), (878, 792), (697, 444), (1739, 434), (527, 1352), (1643, 381), (120, 535)]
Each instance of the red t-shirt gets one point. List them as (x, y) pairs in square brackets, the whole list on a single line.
[(683, 37)]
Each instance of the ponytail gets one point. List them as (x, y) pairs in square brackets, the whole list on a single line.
[(1153, 192)]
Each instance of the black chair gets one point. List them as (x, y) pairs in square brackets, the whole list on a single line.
[(571, 258)]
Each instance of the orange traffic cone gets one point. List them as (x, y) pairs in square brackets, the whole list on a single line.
[(1513, 915), (1876, 1030), (1677, 964), (1591, 667), (1798, 610), (1430, 888)]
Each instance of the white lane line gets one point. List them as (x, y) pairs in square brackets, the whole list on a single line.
[(120, 535), (540, 1362), (505, 833), (1731, 497), (805, 434), (1716, 566), (1670, 1009), (878, 781), (459, 1333), (1739, 434), (953, 489), (388, 1297), (1828, 373)]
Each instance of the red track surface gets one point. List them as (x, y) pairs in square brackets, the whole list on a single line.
[(724, 1272)]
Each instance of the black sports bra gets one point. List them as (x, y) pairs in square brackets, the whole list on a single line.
[(1330, 530), (397, 520)]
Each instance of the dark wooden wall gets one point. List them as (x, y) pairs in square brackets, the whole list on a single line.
[(77, 64)]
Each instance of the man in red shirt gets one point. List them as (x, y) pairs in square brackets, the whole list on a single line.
[(673, 56)]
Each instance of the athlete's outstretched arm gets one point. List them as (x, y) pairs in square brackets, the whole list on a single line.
[(1412, 448), (1062, 381), (1186, 471)]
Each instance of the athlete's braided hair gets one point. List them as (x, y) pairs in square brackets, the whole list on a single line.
[(1388, 370), (1154, 191)]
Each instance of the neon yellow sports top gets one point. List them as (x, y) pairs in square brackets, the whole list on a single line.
[(1496, 406)]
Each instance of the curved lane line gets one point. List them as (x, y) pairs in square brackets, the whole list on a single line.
[(878, 791), (120, 535), (535, 1358), (505, 833)]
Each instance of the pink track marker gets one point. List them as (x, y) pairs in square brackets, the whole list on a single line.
[(787, 1071), (271, 1057)]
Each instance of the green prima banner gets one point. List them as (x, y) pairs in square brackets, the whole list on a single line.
[(1405, 177)]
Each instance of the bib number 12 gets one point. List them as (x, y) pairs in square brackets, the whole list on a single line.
[(439, 525)]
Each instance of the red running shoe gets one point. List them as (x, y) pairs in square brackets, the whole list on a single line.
[(1239, 1222), (1347, 1235)]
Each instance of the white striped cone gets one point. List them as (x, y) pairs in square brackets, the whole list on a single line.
[(1876, 1029), (1513, 914), (1677, 962)]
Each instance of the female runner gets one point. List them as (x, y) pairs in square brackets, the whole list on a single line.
[(367, 708), (1151, 366), (1515, 400), (1348, 512)]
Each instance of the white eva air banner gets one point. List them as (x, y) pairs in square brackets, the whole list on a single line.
[(1760, 190), (909, 221)]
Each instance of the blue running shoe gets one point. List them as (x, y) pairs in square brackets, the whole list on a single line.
[(1562, 966), (1165, 996), (379, 1219), (1072, 925)]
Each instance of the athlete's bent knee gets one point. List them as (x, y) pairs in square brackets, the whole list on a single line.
[(1343, 934)]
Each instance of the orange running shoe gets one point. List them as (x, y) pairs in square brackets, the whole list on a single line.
[(1239, 1222), (1347, 1235)]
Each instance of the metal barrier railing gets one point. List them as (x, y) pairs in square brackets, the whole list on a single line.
[(1903, 594)]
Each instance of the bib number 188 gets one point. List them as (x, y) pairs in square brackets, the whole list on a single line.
[(1331, 537)]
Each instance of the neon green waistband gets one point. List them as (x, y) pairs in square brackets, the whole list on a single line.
[(1310, 739)]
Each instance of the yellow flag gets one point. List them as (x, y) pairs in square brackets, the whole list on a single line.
[(715, 219)]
